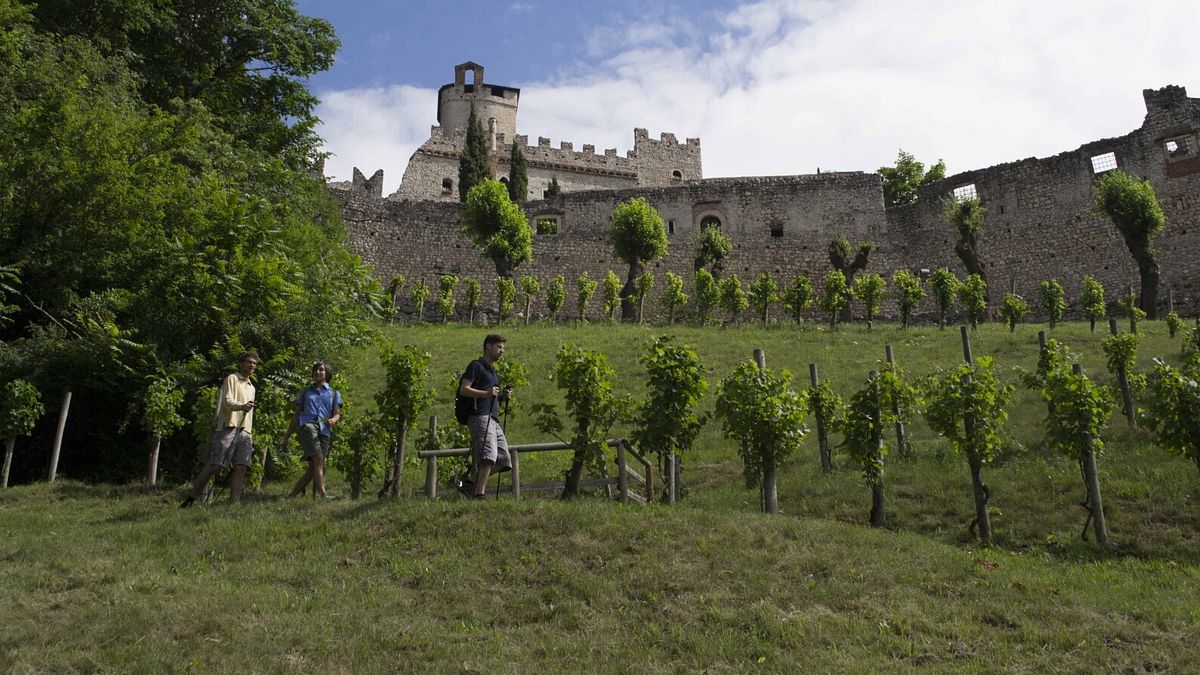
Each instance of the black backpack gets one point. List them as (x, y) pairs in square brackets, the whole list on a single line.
[(463, 406)]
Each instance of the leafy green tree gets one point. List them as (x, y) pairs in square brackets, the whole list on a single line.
[(518, 175), (610, 294), (666, 423), (1053, 300), (798, 296), (1012, 310), (585, 288), (471, 294), (1092, 300), (394, 288), (835, 297), (506, 294), (20, 410), (760, 411), (869, 291), (1174, 323), (908, 292), (405, 395), (160, 417), (530, 287), (707, 294), (763, 292), (712, 248), (446, 302), (840, 252), (474, 165), (826, 406), (900, 182), (673, 295), (420, 293), (369, 438), (944, 285), (1131, 205), (972, 293), (643, 286), (1120, 351), (556, 295), (732, 298), (497, 226), (553, 190), (966, 216), (1128, 304), (862, 425), (639, 236), (1173, 408)]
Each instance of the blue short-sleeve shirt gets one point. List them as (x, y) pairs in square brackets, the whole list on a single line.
[(316, 405)]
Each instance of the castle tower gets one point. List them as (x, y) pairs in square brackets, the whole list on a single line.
[(492, 102)]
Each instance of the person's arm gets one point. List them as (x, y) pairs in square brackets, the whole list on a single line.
[(337, 411), (227, 396), (466, 390), (291, 427)]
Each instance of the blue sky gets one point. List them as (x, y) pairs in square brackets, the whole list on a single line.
[(770, 87)]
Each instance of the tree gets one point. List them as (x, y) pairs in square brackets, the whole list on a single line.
[(1133, 208), (972, 293), (643, 285), (869, 290), (610, 294), (731, 297), (553, 190), (712, 247), (420, 293), (1053, 301), (944, 285), (840, 251), (1128, 304), (404, 396), (529, 287), (1012, 310), (666, 422), (20, 409), (673, 295), (471, 295), (638, 236), (909, 293), (518, 175), (394, 288), (474, 165), (506, 293), (798, 296), (707, 294), (967, 218), (763, 292), (835, 297), (1173, 408), (900, 182), (585, 287), (446, 285), (1091, 299), (160, 418), (862, 427), (497, 226), (556, 295)]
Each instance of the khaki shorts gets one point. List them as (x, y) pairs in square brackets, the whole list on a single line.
[(311, 440), (230, 444), (488, 442)]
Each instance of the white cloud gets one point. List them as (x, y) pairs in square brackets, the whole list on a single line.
[(781, 87)]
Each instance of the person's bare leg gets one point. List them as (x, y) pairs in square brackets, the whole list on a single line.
[(318, 469), (302, 482), (481, 477), (236, 483), (206, 475)]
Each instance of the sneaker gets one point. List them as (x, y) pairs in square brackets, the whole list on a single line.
[(329, 497), (187, 502), (466, 486), (478, 497)]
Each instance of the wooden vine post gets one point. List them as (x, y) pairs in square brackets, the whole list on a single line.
[(431, 463), (901, 441), (878, 504), (1088, 461), (1123, 381), (1043, 346), (822, 425), (982, 518), (58, 435), (770, 491)]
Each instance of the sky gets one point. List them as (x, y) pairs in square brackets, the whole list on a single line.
[(773, 87)]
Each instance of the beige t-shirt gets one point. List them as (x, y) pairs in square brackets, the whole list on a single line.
[(235, 391)]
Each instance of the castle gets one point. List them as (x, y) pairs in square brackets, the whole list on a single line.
[(1040, 221)]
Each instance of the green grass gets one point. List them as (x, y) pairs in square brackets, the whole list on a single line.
[(101, 578)]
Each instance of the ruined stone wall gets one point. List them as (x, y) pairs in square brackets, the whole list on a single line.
[(665, 161)]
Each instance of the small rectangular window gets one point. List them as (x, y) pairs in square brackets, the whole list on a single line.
[(547, 225), (670, 227), (777, 231), (1179, 147), (962, 194), (1105, 162)]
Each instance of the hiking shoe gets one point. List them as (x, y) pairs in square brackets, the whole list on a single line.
[(466, 487), (188, 501), (329, 497)]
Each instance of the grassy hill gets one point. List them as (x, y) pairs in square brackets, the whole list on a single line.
[(102, 578)]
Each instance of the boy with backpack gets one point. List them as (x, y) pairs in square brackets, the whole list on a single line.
[(478, 401)]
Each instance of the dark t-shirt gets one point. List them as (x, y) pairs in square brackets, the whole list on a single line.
[(481, 375)]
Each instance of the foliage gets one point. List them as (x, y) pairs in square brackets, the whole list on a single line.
[(835, 295), (20, 409), (518, 175), (673, 295), (1012, 310), (707, 294), (823, 400), (405, 393), (1128, 304), (1091, 300), (966, 216), (868, 289), (732, 298), (863, 421), (497, 226), (1120, 353), (908, 291), (1052, 300), (1174, 323), (420, 293), (506, 294), (900, 182), (610, 293), (553, 190), (643, 285), (1173, 408), (556, 295), (1130, 203), (712, 247), (473, 165), (160, 407), (370, 437), (585, 287), (471, 294), (972, 293), (899, 397), (393, 290), (446, 285), (949, 398), (1078, 411), (759, 410), (638, 235), (944, 285), (798, 296), (530, 287), (666, 421), (763, 292)]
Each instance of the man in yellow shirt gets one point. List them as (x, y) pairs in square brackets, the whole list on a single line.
[(230, 437)]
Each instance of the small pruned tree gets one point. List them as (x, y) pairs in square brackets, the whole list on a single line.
[(610, 294), (835, 296), (798, 296), (1012, 310), (404, 397), (394, 289), (20, 409), (707, 294), (556, 296), (420, 293), (907, 288), (506, 294), (966, 216), (446, 302), (639, 236), (471, 294), (826, 406), (666, 422), (530, 287), (1091, 299), (712, 248), (1120, 352), (497, 227), (1053, 301), (1174, 323), (1128, 305), (944, 285), (673, 296), (846, 260), (160, 417), (1130, 203), (643, 286), (585, 288), (972, 293), (763, 292), (868, 289), (518, 175), (474, 166), (1172, 411), (901, 182), (732, 297), (760, 411), (862, 425)]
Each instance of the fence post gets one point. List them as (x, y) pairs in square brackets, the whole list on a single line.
[(670, 479), (822, 434), (515, 456), (878, 506), (431, 471), (622, 473), (58, 434), (901, 440)]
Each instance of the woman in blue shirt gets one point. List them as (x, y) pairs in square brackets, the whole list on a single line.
[(318, 409)]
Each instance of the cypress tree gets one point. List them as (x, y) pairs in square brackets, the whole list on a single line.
[(518, 176), (553, 190), (473, 165)]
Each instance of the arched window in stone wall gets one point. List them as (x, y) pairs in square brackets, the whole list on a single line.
[(677, 174), (710, 221)]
